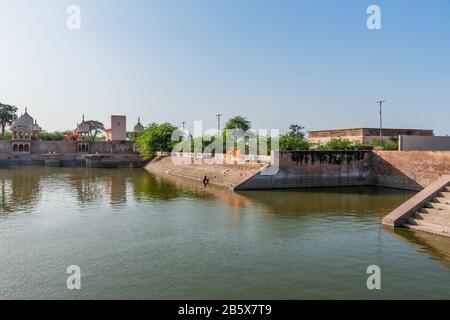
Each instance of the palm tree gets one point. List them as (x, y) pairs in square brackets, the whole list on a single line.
[(7, 116), (238, 122)]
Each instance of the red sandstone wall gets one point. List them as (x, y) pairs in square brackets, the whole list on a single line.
[(410, 169)]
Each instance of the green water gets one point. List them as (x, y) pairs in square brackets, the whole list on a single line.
[(137, 236)]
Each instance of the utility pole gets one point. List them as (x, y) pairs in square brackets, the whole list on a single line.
[(218, 120), (381, 121), (183, 123)]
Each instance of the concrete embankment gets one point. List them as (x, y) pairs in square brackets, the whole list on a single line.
[(223, 175), (312, 169)]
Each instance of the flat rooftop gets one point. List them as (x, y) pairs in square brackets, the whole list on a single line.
[(369, 132)]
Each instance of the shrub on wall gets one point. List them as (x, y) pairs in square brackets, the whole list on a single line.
[(339, 144), (391, 144), (293, 143), (294, 140), (54, 136)]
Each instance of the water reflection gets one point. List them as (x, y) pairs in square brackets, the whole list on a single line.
[(22, 189), (437, 247), (86, 185), (19, 190), (352, 200), (195, 189)]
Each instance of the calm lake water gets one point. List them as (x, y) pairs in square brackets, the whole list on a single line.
[(136, 236)]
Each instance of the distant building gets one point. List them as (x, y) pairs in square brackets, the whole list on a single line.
[(82, 136), (364, 136), (138, 128), (24, 130), (117, 130), (82, 130)]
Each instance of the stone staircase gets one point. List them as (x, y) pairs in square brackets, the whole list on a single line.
[(434, 216), (428, 211)]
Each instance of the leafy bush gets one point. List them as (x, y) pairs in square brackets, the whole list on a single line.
[(8, 135), (391, 144), (293, 143), (339, 144), (54, 136)]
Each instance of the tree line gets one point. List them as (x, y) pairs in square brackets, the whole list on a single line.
[(158, 137)]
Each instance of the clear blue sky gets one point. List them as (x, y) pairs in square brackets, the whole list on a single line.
[(277, 62)]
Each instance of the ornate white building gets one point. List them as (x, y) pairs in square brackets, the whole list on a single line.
[(82, 133), (24, 130)]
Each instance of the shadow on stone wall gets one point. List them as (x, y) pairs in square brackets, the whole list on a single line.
[(387, 175)]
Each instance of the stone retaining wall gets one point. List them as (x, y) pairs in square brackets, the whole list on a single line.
[(67, 148), (413, 170), (115, 154), (310, 169)]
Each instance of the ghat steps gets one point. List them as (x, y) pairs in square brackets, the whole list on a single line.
[(434, 217), (427, 211)]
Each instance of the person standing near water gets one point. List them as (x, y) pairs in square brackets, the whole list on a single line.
[(205, 181)]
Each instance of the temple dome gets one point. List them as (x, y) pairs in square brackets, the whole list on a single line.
[(83, 127), (36, 127), (138, 128), (24, 123)]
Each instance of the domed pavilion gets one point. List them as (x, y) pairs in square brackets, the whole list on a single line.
[(24, 130)]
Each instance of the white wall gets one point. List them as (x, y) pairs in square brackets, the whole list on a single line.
[(421, 143)]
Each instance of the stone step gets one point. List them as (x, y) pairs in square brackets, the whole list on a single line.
[(436, 205), (425, 229), (441, 200), (430, 226), (440, 219), (444, 211), (447, 188), (445, 194)]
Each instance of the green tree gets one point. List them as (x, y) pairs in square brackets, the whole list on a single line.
[(296, 130), (238, 122), (8, 135), (290, 142), (339, 144), (156, 137), (95, 128), (8, 114), (391, 144), (294, 139)]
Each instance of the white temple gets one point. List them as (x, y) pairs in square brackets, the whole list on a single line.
[(24, 130)]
